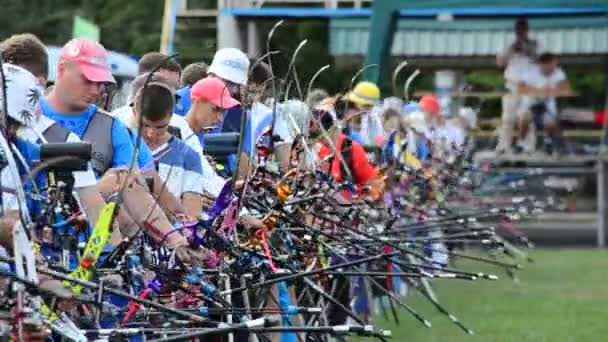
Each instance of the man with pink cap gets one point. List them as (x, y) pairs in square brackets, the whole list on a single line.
[(210, 97), (82, 72)]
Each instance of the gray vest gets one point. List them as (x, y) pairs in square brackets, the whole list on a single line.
[(55, 134), (98, 133)]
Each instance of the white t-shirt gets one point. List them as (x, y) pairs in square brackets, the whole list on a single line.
[(371, 126), (82, 179), (8, 183), (536, 79), (212, 182), (450, 133), (261, 118), (517, 69)]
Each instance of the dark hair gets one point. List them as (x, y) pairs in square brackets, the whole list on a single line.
[(158, 98), (259, 72), (155, 102), (325, 119), (521, 23), (150, 60), (390, 113), (341, 106), (139, 81), (192, 73), (546, 57), (26, 51)]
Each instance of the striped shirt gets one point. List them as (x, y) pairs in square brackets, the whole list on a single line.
[(180, 167)]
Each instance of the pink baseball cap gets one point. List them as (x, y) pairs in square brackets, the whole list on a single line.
[(92, 58), (213, 90)]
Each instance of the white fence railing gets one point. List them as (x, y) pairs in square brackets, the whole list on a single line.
[(330, 4), (187, 10)]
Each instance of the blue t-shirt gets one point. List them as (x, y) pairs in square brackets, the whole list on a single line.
[(232, 120), (182, 106), (145, 160), (29, 150), (247, 139), (122, 140), (355, 136), (31, 153)]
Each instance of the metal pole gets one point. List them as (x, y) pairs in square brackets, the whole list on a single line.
[(168, 29), (602, 210)]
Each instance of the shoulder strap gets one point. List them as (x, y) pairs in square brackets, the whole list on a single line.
[(346, 153), (175, 131), (99, 133), (56, 133)]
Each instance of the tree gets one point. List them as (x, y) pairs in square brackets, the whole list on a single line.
[(132, 26)]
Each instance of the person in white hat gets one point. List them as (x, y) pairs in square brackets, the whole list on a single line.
[(231, 65)]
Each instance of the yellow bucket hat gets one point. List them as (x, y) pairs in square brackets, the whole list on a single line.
[(364, 93)]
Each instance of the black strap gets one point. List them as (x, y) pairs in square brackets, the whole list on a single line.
[(346, 153), (175, 131), (56, 133)]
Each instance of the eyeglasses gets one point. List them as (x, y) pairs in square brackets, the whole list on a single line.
[(232, 85)]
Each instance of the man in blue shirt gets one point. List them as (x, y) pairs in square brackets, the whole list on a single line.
[(81, 72)]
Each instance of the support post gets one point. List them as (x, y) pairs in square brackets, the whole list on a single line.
[(381, 32), (602, 208), (602, 181), (253, 42), (168, 28)]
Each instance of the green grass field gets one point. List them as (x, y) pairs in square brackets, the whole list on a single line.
[(562, 296)]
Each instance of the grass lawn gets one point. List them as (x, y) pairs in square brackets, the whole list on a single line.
[(562, 296)]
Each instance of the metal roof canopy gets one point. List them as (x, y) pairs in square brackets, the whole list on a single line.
[(386, 12), (474, 37)]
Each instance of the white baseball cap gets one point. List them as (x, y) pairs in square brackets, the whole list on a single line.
[(230, 64), (23, 93)]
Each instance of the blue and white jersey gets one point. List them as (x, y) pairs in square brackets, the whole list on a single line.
[(259, 120), (180, 167)]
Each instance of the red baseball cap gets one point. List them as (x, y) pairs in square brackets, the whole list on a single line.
[(91, 57), (213, 90), (430, 104)]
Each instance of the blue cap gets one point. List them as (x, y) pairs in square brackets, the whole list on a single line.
[(411, 107), (183, 103)]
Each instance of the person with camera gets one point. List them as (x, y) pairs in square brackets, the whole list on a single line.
[(517, 60)]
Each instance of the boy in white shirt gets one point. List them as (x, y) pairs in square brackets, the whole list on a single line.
[(212, 182), (539, 88)]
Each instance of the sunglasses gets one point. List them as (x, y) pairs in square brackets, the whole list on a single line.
[(324, 118), (232, 86)]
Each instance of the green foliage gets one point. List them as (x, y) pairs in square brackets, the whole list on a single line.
[(132, 26), (312, 57), (485, 80)]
